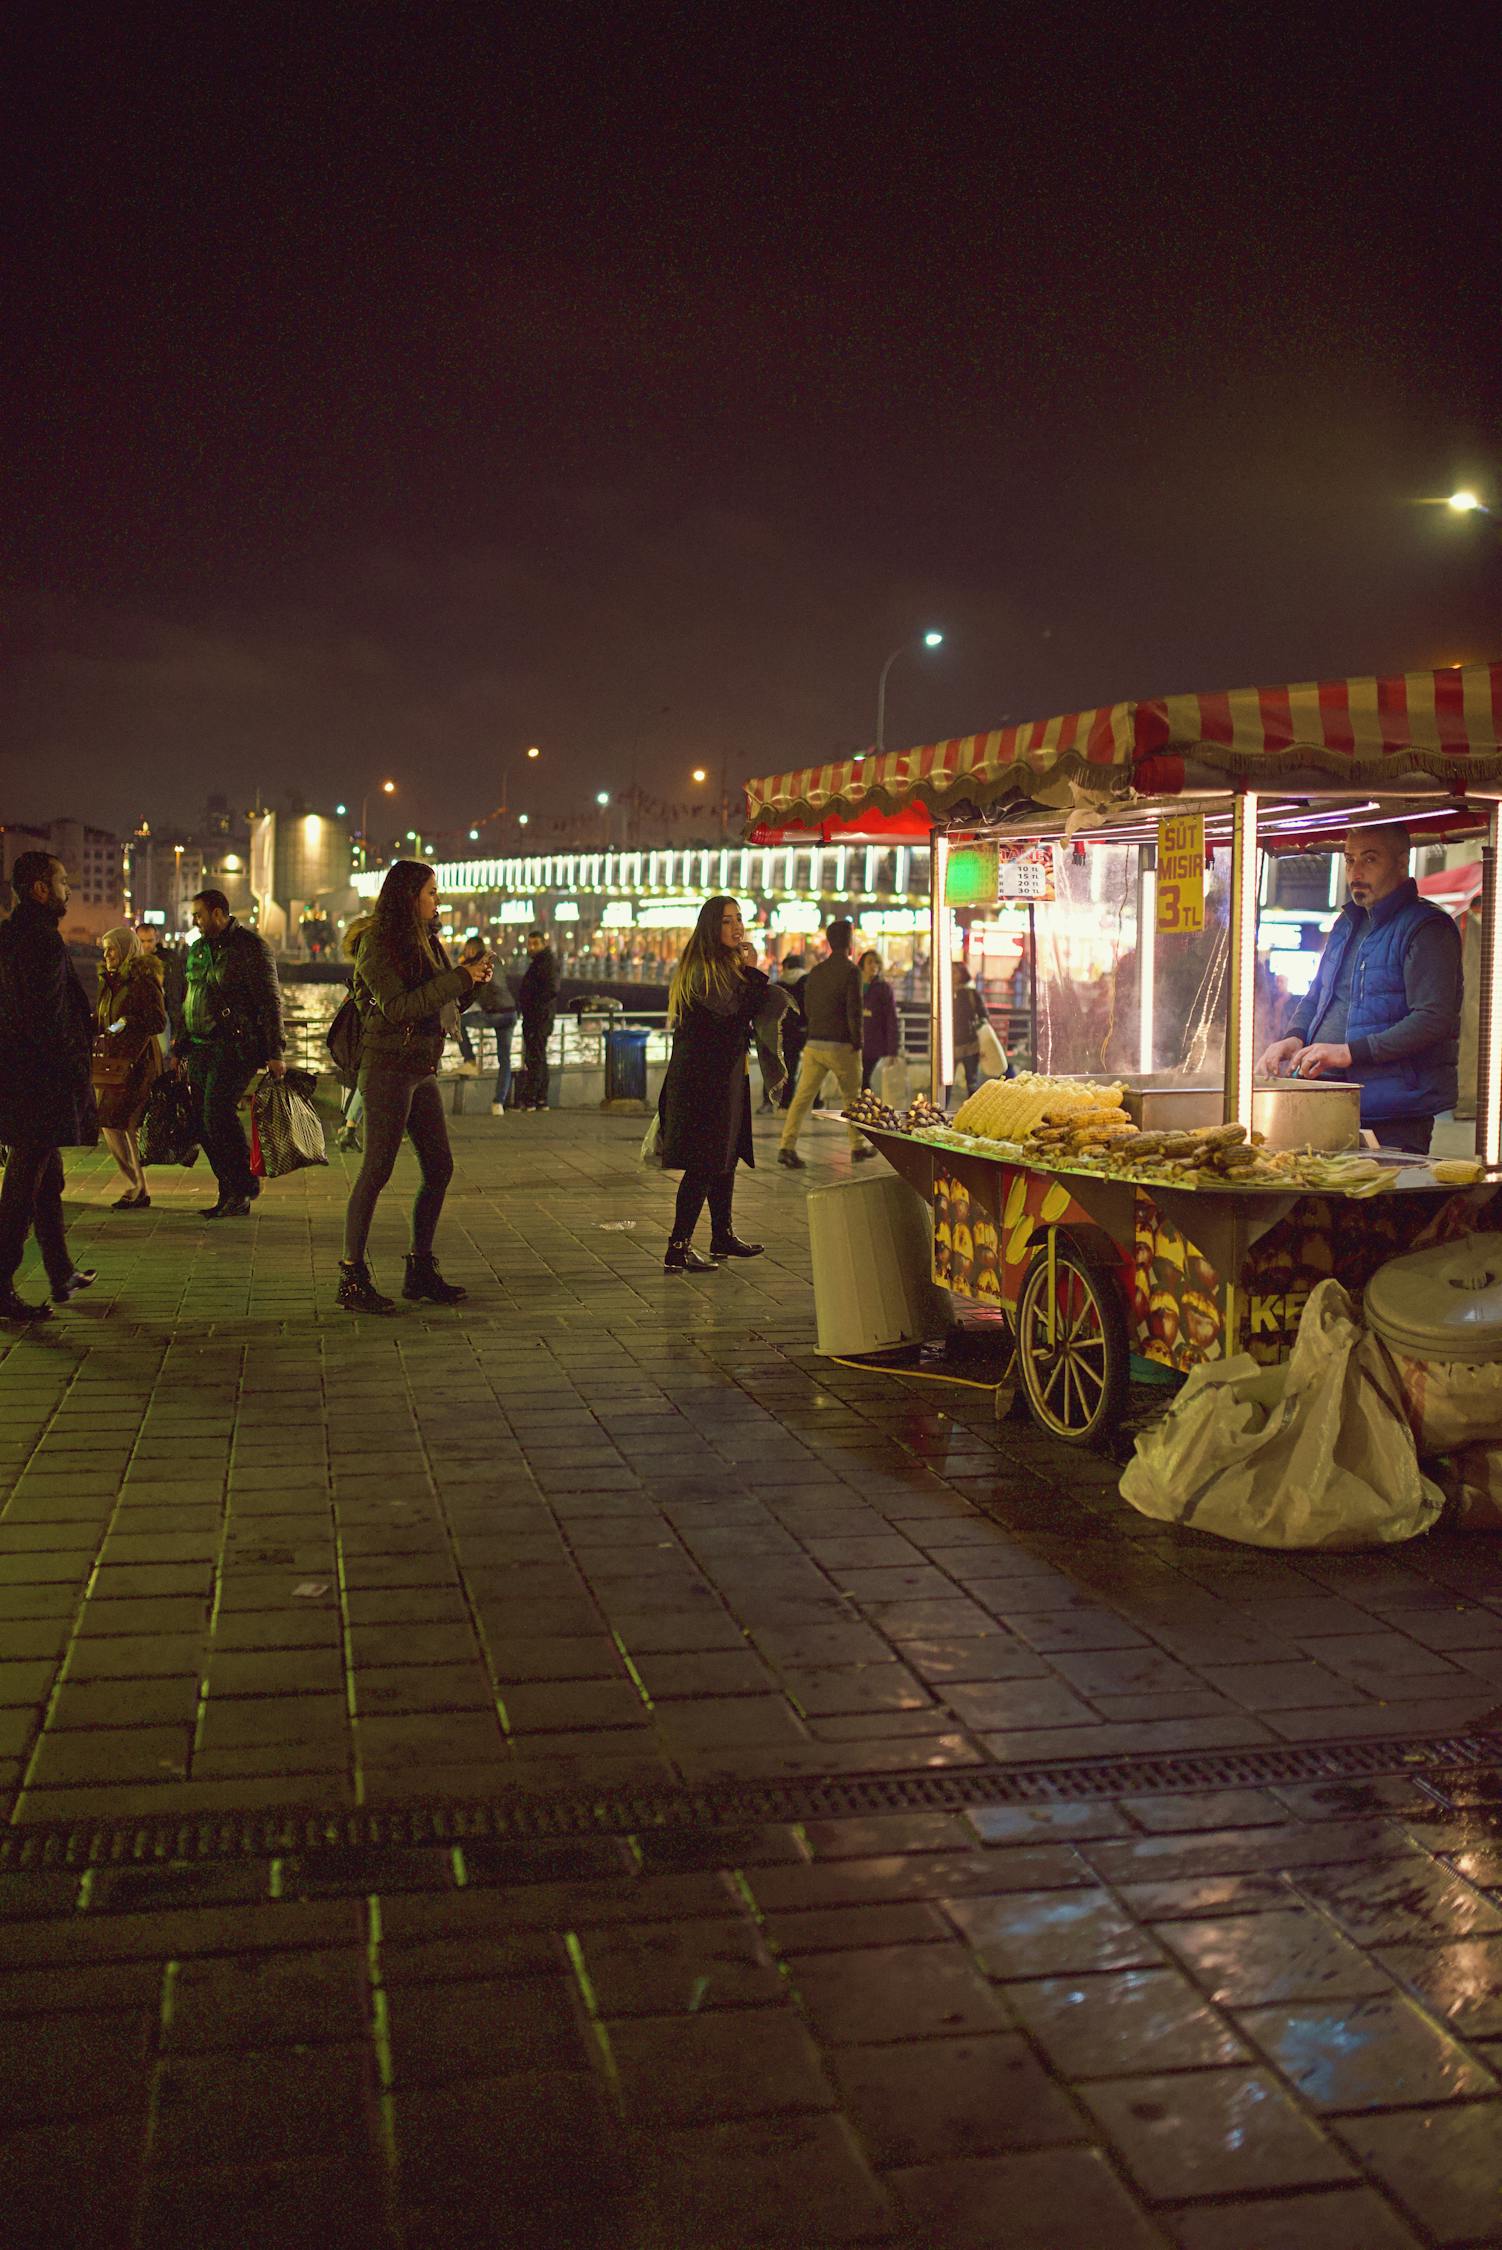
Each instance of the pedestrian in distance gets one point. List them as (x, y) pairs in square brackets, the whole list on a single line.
[(46, 1096), (130, 1015), (537, 1004), (174, 977), (970, 1012), (403, 982), (881, 1036), (832, 1011), (495, 1003), (231, 1028), (714, 1001)]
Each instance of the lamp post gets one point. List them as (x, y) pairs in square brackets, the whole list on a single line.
[(388, 789), (930, 640), (701, 775)]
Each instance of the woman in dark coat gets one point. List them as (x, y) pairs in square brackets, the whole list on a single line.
[(129, 1012), (705, 1105), (46, 1101)]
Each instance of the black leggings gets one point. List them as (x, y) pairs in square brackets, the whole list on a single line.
[(694, 1189), (397, 1103)]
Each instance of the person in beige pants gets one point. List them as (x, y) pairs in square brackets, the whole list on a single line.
[(831, 997)]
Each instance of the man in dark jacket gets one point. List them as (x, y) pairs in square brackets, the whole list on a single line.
[(46, 1101), (537, 1003), (1384, 1007), (832, 1011), (881, 1034), (231, 1027)]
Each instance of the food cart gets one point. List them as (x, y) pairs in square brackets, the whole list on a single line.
[(1109, 1265)]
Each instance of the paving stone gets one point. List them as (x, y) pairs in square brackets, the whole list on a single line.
[(1380, 2046), (1117, 2025), (887, 1993), (1043, 1933), (960, 2204), (701, 2069), (787, 2182), (1441, 2164), (1201, 2131)]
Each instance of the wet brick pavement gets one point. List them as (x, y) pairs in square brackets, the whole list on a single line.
[(606, 1530)]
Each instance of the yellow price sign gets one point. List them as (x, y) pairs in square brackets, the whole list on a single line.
[(1181, 874)]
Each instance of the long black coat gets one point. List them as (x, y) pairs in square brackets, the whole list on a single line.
[(45, 1094), (705, 1104)]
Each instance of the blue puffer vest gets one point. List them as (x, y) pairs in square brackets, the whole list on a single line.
[(1418, 1085)]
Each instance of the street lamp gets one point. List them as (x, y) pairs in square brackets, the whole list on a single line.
[(388, 789), (1466, 503), (930, 639)]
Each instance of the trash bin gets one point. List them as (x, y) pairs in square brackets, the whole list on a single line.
[(1439, 1312), (626, 1069), (872, 1259)]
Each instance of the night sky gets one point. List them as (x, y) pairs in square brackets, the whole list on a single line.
[(389, 387)]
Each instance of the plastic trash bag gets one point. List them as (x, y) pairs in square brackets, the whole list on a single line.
[(1317, 1453), (169, 1123), (288, 1132), (651, 1141), (1471, 1481), (993, 1056), (1451, 1402)]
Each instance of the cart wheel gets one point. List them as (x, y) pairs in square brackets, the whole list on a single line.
[(1075, 1381)]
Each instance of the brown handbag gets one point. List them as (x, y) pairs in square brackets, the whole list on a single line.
[(114, 1062)]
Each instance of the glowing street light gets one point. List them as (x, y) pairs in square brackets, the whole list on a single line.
[(699, 774), (1466, 503), (931, 639), (388, 789), (602, 796)]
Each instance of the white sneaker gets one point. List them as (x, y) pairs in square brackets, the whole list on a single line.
[(498, 1109)]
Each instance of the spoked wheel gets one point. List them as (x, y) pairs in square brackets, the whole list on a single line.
[(1072, 1352)]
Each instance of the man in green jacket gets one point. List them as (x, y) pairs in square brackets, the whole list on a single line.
[(231, 1028)]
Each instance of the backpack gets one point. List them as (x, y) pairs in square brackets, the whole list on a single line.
[(346, 1035)]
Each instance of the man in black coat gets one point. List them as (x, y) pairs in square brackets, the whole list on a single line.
[(232, 1026), (46, 1100), (537, 1001)]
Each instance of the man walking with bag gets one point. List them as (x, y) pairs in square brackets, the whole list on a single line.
[(832, 1011), (232, 1027), (46, 1099)]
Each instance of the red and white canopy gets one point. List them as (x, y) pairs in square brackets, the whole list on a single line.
[(1425, 733)]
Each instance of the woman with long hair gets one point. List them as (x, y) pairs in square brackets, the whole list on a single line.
[(402, 984), (129, 1012), (713, 1002)]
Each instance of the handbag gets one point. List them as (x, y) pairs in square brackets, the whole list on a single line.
[(113, 1062), (344, 1040)]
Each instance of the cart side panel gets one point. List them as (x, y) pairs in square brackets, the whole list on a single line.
[(1348, 1237), (986, 1216), (1180, 1304)]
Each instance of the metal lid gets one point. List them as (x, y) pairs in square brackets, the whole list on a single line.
[(1444, 1303)]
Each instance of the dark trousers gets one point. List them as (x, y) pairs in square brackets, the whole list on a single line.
[(219, 1076), (694, 1190), (31, 1195), (397, 1103), (1405, 1132), (532, 1085), (503, 1026)]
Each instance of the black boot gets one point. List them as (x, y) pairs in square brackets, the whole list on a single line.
[(731, 1246), (682, 1257), (424, 1280), (13, 1307), (357, 1292)]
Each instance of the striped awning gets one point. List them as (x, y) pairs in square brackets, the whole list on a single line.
[(1419, 732)]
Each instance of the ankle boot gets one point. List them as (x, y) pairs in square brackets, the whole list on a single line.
[(357, 1292), (424, 1280), (731, 1246), (682, 1257)]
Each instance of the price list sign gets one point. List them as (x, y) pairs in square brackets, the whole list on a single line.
[(1181, 874), (1027, 871)]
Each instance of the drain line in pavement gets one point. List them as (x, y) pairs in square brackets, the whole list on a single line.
[(157, 1839)]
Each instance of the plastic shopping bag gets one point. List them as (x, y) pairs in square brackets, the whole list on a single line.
[(993, 1056), (1471, 1481), (169, 1123), (1317, 1453), (1451, 1402), (288, 1133), (651, 1141), (889, 1081)]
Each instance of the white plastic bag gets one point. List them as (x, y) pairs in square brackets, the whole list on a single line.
[(889, 1081), (1451, 1402), (993, 1056), (1317, 1453), (287, 1129), (651, 1141)]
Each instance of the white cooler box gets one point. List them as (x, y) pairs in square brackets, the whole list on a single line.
[(872, 1259)]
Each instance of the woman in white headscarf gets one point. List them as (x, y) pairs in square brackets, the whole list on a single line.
[(128, 1014)]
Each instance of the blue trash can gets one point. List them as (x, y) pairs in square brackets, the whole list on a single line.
[(626, 1066)]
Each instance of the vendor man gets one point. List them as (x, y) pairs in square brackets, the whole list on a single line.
[(1384, 1007)]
